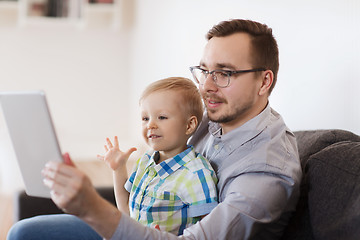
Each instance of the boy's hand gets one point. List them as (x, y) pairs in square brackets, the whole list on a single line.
[(114, 157)]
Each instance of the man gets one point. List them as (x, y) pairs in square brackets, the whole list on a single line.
[(249, 146)]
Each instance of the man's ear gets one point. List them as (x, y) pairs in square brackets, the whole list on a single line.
[(191, 125), (267, 81)]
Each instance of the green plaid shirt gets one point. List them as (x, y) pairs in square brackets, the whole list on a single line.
[(172, 194)]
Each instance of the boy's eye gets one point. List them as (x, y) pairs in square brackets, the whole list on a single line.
[(162, 117), (145, 119)]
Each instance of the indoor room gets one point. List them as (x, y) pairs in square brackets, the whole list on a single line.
[(94, 58)]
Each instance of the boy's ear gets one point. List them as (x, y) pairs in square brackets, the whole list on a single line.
[(191, 125)]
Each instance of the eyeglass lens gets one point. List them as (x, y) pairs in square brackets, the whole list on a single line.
[(220, 78)]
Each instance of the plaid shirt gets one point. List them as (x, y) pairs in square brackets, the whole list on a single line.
[(173, 194)]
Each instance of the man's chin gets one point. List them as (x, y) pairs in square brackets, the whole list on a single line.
[(219, 118), (216, 118)]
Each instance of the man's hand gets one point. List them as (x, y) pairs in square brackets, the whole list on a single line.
[(71, 189), (68, 160), (114, 157)]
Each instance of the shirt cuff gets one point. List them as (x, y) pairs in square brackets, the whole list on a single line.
[(200, 210), (128, 186)]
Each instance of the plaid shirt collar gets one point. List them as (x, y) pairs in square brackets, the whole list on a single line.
[(167, 167)]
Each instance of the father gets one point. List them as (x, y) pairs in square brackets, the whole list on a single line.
[(252, 151)]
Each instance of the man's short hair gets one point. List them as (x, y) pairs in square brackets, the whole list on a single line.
[(189, 94), (264, 46)]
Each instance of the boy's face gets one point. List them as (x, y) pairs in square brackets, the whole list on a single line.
[(164, 122)]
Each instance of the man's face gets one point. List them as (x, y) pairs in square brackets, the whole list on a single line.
[(239, 102)]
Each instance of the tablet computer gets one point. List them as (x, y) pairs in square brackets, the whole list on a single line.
[(32, 135)]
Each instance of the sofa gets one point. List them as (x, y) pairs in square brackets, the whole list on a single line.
[(329, 203)]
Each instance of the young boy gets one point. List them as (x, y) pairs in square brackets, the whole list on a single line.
[(172, 186)]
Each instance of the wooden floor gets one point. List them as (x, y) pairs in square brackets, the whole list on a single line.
[(6, 215), (98, 172)]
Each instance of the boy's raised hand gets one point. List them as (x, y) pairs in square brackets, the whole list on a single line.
[(114, 157)]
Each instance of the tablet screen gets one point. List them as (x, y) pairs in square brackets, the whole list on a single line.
[(32, 135)]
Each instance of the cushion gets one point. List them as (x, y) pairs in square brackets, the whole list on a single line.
[(333, 179), (310, 142)]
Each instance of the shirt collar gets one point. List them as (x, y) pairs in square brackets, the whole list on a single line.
[(167, 167), (245, 132)]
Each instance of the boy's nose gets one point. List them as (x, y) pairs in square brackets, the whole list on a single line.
[(151, 124)]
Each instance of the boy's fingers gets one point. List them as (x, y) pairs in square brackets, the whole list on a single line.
[(130, 151), (116, 141), (109, 144)]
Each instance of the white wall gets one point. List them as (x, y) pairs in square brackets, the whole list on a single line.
[(319, 51), (93, 77)]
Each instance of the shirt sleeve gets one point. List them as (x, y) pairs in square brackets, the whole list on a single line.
[(128, 184), (253, 199)]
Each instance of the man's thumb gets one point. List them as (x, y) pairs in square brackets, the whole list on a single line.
[(67, 160)]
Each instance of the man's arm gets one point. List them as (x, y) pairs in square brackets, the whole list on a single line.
[(255, 207), (72, 191), (252, 203)]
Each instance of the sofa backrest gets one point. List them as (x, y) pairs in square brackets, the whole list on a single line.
[(329, 204)]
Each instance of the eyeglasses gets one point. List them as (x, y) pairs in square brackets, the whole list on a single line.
[(220, 77)]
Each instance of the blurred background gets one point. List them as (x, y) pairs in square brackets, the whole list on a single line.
[(93, 59)]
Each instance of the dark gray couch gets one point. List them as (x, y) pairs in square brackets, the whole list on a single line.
[(329, 205)]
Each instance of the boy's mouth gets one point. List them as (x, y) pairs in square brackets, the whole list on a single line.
[(153, 136)]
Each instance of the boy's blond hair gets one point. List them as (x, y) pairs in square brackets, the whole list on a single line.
[(190, 96)]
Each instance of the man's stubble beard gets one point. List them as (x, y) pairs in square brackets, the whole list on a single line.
[(231, 116), (228, 116)]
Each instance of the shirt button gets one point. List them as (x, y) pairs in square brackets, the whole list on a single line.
[(151, 173), (216, 147)]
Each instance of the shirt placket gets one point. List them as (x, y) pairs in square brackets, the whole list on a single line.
[(213, 150), (150, 175)]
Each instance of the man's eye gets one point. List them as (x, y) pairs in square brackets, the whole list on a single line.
[(224, 74)]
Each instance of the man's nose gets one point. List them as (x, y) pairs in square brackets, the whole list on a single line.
[(209, 83)]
